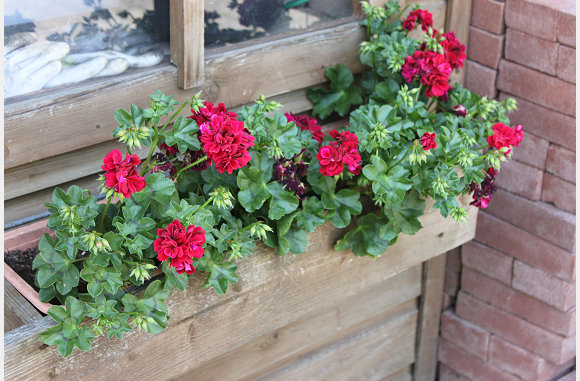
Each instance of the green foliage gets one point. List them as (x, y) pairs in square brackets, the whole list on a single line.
[(341, 96)]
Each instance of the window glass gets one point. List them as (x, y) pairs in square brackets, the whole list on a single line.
[(50, 44), (231, 21)]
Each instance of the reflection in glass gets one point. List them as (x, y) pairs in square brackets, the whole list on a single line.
[(54, 43), (231, 21)]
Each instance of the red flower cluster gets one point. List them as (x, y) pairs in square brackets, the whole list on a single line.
[(482, 193), (306, 123), (454, 50), (333, 156), (432, 70), (121, 174), (428, 141), (422, 16), (226, 142), (181, 245), (205, 113), (504, 136)]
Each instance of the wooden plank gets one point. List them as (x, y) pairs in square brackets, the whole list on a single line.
[(285, 345), (187, 38), (458, 19), (272, 293), (368, 355), (233, 77), (17, 310), (405, 374), (429, 316)]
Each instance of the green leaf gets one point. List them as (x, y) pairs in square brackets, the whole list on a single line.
[(220, 273), (101, 279), (54, 267), (393, 184), (282, 202), (184, 135), (367, 238), (133, 221), (341, 95), (403, 216), (160, 191), (311, 215), (344, 203), (172, 278), (152, 304), (252, 181)]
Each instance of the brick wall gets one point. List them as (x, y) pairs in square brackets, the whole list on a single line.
[(509, 301)]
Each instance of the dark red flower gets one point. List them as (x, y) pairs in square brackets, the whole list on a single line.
[(205, 113), (428, 141), (170, 151), (460, 110), (483, 192), (306, 123), (226, 142), (504, 136), (409, 23), (454, 50), (414, 66), (181, 245), (435, 75), (345, 138)]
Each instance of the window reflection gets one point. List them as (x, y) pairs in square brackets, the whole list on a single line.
[(231, 21), (55, 43)]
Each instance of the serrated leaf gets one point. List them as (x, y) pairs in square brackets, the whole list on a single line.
[(311, 215), (282, 202), (184, 135)]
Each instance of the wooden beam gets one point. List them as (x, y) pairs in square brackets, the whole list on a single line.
[(429, 316), (458, 19), (17, 310), (187, 40)]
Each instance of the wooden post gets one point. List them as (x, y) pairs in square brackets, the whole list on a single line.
[(429, 316), (457, 20), (186, 23)]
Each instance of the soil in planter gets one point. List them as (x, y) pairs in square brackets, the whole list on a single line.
[(21, 263)]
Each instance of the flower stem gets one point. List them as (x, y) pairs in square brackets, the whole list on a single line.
[(145, 167), (401, 159), (402, 11), (102, 219), (190, 165), (174, 115)]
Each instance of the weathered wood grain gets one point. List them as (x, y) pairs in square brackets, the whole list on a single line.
[(429, 315), (457, 20), (367, 355), (272, 293), (404, 374), (186, 24), (233, 77), (285, 345), (17, 311)]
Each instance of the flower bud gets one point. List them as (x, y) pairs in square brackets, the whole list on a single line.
[(222, 198), (460, 110)]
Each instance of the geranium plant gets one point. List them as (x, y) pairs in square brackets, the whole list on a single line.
[(215, 181)]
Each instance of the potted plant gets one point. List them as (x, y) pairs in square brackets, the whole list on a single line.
[(214, 181)]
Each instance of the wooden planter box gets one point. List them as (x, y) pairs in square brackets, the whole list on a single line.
[(319, 315)]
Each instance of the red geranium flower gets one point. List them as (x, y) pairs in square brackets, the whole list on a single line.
[(504, 136), (454, 50), (330, 159), (428, 141), (335, 155), (345, 138), (122, 174), (420, 15), (436, 75), (205, 113), (306, 123), (181, 245), (226, 142)]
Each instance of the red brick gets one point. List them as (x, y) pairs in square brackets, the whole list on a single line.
[(532, 18), (537, 87), (567, 28), (488, 15), (540, 219), (521, 362), (517, 303), (532, 150), (451, 282), (471, 367), (484, 47), (448, 374), (559, 192), (488, 261), (568, 377), (524, 246), (465, 335), (562, 163), (518, 331), (480, 79), (567, 63), (520, 178), (553, 126), (543, 286), (531, 51)]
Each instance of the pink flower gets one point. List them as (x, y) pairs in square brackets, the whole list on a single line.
[(121, 174), (504, 136), (330, 159), (428, 141), (226, 142)]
